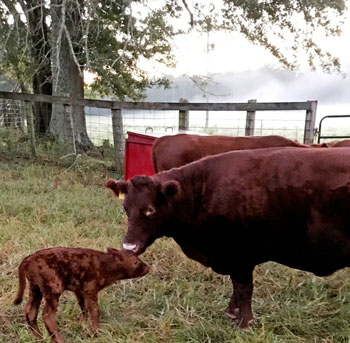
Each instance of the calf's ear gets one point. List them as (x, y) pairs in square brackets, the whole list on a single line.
[(116, 254), (171, 188), (117, 187), (112, 251)]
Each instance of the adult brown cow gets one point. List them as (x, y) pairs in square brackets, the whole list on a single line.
[(340, 144), (235, 210), (175, 151), (335, 144)]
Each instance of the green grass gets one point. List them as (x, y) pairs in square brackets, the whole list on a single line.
[(178, 301)]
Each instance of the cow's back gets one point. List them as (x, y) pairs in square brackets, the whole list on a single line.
[(340, 144), (175, 151), (288, 205)]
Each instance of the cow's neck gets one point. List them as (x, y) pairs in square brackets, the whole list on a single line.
[(187, 207)]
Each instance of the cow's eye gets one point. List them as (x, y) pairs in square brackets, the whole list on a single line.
[(149, 211)]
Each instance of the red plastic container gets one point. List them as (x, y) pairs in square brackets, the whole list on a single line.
[(138, 155)]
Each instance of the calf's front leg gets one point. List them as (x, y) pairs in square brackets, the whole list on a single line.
[(91, 304), (81, 302)]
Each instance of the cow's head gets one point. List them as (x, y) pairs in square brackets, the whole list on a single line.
[(149, 205)]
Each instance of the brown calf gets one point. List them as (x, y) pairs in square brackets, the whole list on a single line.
[(82, 271)]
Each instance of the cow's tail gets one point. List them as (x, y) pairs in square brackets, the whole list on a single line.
[(154, 159), (21, 283)]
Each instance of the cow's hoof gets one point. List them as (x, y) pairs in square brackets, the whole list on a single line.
[(246, 326), (232, 315)]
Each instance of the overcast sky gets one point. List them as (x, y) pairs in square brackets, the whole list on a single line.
[(252, 66), (233, 52)]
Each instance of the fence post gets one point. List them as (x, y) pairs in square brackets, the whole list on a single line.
[(67, 108), (30, 125), (250, 121), (183, 117), (118, 139), (310, 119)]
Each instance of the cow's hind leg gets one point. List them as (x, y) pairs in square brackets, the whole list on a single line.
[(49, 315), (31, 309)]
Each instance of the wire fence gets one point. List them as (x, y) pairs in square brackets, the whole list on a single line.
[(160, 123), (58, 127)]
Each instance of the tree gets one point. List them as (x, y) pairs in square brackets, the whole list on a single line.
[(103, 37), (110, 37), (84, 37), (27, 53)]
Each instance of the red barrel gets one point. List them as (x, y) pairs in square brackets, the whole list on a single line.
[(138, 155)]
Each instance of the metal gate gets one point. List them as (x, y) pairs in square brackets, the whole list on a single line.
[(329, 137)]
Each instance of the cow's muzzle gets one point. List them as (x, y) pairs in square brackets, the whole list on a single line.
[(131, 246)]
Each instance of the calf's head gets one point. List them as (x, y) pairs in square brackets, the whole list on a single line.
[(129, 263), (149, 206)]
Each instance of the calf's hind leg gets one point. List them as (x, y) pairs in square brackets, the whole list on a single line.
[(49, 315), (31, 309)]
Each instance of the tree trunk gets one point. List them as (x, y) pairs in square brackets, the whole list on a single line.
[(42, 78), (67, 76), (82, 139)]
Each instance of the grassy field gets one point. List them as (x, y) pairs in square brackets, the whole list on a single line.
[(178, 301)]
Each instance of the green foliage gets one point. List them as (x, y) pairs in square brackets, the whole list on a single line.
[(106, 37), (113, 37), (116, 61), (15, 58), (270, 23)]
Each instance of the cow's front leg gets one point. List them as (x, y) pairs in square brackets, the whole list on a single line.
[(240, 306), (232, 310)]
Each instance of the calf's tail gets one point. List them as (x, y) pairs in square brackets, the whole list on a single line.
[(21, 283)]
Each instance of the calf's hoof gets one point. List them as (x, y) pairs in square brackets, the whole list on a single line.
[(58, 340)]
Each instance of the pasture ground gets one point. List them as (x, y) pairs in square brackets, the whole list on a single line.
[(178, 301)]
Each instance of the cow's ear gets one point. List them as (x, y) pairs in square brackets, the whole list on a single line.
[(117, 187), (171, 188)]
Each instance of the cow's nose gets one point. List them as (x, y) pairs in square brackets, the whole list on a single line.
[(130, 246)]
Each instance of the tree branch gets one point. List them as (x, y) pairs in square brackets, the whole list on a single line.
[(189, 12)]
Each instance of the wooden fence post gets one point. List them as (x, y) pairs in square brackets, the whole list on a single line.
[(310, 119), (183, 117), (250, 121), (30, 125), (118, 139)]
